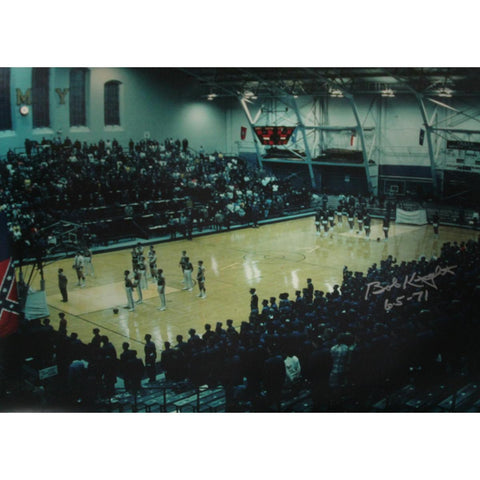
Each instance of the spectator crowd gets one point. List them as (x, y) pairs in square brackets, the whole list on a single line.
[(64, 180)]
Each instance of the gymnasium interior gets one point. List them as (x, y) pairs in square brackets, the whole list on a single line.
[(316, 163), (265, 175)]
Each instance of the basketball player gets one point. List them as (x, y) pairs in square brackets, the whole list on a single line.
[(152, 262), (142, 272), (201, 280), (182, 262), (161, 289), (78, 264), (187, 275), (129, 291), (139, 249), (88, 262), (137, 277)]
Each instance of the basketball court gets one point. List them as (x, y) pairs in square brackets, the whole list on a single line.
[(274, 258)]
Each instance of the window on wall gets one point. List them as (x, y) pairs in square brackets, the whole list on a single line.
[(112, 103), (78, 87), (40, 97), (5, 107)]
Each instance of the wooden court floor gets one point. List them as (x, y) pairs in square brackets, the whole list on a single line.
[(273, 258)]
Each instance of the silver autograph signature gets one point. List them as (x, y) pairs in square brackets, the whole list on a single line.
[(413, 280)]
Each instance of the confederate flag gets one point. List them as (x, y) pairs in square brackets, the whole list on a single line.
[(9, 307)]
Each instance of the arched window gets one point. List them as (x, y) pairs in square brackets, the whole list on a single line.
[(5, 107), (78, 95), (40, 97), (112, 103)]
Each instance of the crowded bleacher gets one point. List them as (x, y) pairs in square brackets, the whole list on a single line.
[(137, 191)]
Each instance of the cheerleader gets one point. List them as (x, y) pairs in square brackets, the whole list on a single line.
[(317, 222), (366, 224)]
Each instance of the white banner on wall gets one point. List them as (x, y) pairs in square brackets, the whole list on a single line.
[(417, 217)]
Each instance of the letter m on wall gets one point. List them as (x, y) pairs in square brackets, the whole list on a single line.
[(24, 99)]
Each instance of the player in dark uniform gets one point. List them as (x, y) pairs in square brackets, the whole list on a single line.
[(152, 262), (129, 291), (201, 280), (161, 289)]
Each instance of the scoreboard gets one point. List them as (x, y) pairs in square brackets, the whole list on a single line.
[(274, 135)]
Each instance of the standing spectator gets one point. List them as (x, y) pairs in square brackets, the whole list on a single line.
[(340, 354), (253, 301), (62, 325), (292, 369), (123, 361), (62, 284), (167, 362), (319, 366), (150, 358), (134, 371), (109, 365), (274, 378), (208, 335), (310, 290)]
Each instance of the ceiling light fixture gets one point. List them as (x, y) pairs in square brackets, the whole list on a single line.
[(249, 95), (387, 92), (444, 92), (336, 93)]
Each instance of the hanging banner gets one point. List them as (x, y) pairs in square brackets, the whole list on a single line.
[(421, 136), (243, 132)]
